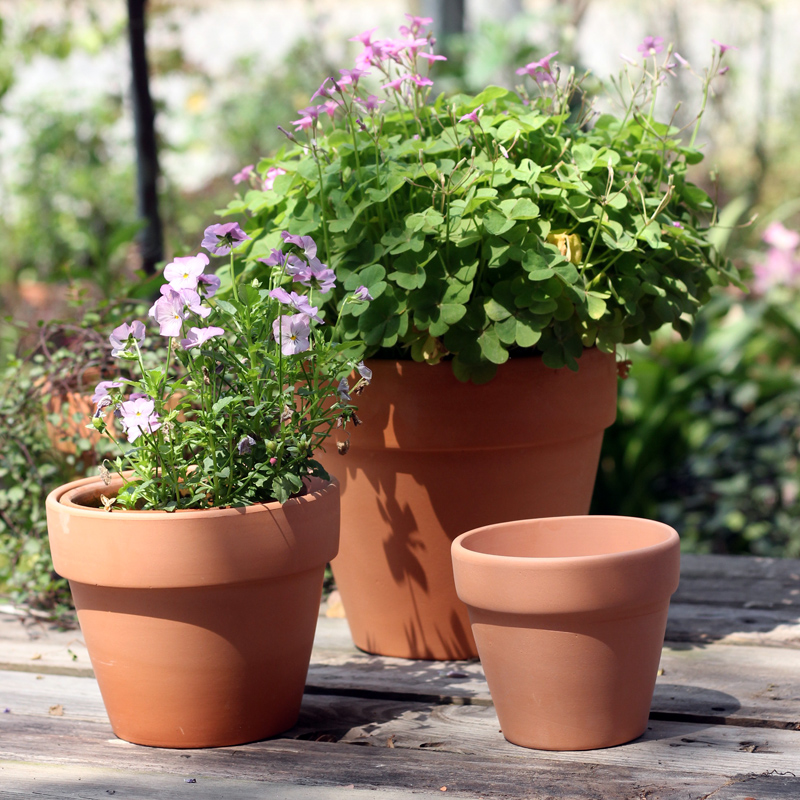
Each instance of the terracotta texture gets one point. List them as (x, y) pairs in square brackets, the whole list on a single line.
[(436, 457), (569, 615), (199, 624)]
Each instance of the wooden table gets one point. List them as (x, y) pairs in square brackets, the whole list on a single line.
[(725, 721)]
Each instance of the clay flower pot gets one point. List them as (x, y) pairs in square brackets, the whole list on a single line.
[(569, 615), (436, 457), (199, 624)]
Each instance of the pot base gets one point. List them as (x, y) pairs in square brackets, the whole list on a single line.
[(188, 668)]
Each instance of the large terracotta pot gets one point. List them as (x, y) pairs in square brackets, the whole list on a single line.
[(569, 615), (436, 457), (199, 624)]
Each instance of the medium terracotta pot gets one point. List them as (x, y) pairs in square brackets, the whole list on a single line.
[(436, 457), (199, 624), (569, 615)]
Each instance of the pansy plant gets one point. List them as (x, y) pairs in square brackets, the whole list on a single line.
[(252, 384), (488, 226)]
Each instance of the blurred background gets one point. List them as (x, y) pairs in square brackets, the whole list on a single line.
[(708, 431)]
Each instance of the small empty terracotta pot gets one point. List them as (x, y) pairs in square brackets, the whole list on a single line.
[(569, 615)]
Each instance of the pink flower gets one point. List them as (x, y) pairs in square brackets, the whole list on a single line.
[(364, 38), (292, 332), (651, 46), (432, 57), (269, 179), (198, 336), (303, 124), (628, 60), (323, 90), (396, 82), (780, 237), (541, 71), (420, 80), (243, 174), (362, 294), (723, 47), (418, 22), (472, 116), (184, 272)]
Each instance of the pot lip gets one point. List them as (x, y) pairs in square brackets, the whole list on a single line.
[(60, 499), (465, 554)]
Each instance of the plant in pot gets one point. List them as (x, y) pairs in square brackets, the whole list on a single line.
[(511, 242), (196, 560)]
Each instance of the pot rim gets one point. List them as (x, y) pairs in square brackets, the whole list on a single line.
[(61, 497), (464, 553)]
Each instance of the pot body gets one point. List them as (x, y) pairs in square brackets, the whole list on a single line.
[(569, 615), (436, 457), (199, 624)]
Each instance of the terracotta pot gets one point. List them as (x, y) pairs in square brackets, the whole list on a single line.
[(436, 457), (199, 624), (569, 615)]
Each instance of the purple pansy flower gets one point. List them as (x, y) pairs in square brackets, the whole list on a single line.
[(194, 303), (169, 311), (306, 243), (220, 239), (292, 332), (198, 336), (122, 334), (364, 371), (184, 272), (245, 445), (138, 417), (102, 388), (299, 302), (208, 284), (651, 46), (243, 174), (315, 275), (276, 258)]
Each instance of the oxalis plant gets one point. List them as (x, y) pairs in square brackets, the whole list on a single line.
[(252, 384), (504, 224)]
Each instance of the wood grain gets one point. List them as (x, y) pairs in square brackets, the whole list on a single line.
[(598, 775)]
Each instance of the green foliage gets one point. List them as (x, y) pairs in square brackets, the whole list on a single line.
[(518, 229), (708, 433), (235, 411)]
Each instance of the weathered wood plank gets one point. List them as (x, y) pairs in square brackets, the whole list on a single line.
[(726, 749), (49, 782), (740, 582), (530, 774), (708, 623), (747, 686)]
